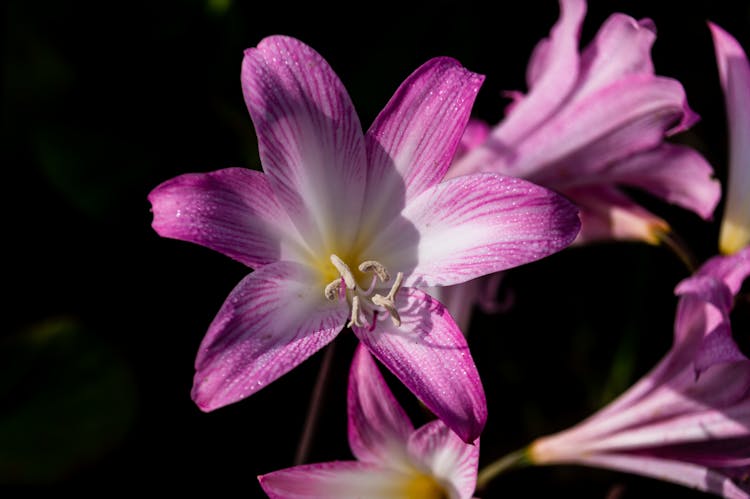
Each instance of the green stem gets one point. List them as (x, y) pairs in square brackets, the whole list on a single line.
[(517, 459)]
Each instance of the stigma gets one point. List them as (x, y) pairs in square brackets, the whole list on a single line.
[(364, 302)]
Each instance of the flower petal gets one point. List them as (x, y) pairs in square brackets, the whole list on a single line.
[(412, 141), (447, 457), (720, 388), (675, 173), (429, 354), (273, 319), (551, 75), (690, 475), (621, 47), (717, 347), (732, 270), (628, 116), (710, 426), (607, 213), (233, 211), (703, 309), (378, 426), (474, 225), (336, 479), (309, 138), (734, 73)]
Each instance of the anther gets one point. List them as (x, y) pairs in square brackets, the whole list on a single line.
[(333, 289), (354, 321), (345, 272), (376, 268), (388, 304)]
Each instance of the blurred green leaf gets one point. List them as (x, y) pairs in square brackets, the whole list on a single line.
[(67, 399), (622, 371), (218, 7)]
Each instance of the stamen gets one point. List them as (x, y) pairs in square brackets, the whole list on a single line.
[(333, 289), (372, 286), (345, 272), (377, 268), (396, 286), (354, 321), (388, 304)]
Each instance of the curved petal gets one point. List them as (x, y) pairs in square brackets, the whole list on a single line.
[(273, 320), (621, 47), (717, 347), (412, 141), (732, 270), (378, 426), (447, 457), (474, 225), (688, 474), (336, 479), (551, 75), (232, 211), (429, 354), (607, 213), (675, 173), (309, 137), (710, 426), (704, 305), (720, 388), (631, 115), (734, 73)]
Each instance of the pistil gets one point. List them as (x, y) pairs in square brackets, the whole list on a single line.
[(354, 321)]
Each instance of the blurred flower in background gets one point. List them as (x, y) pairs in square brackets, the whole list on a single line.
[(393, 459)]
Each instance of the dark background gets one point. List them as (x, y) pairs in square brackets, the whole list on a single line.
[(103, 101)]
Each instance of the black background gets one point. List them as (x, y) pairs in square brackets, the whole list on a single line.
[(103, 101)]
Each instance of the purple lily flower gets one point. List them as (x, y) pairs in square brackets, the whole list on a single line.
[(734, 74), (688, 420), (596, 121), (342, 227), (393, 459)]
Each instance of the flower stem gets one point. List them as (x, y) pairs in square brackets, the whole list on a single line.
[(679, 248), (517, 459), (313, 410)]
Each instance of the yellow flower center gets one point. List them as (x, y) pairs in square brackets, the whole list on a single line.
[(424, 487)]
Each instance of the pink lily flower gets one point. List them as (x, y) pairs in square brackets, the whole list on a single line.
[(688, 420), (343, 227), (393, 459), (591, 123), (596, 121), (734, 74)]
